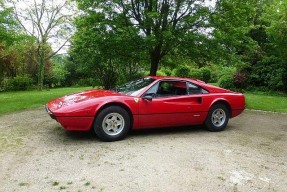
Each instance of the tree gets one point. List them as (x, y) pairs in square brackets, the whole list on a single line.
[(275, 20), (8, 37), (160, 26), (232, 20), (108, 56), (59, 71), (251, 35), (46, 21)]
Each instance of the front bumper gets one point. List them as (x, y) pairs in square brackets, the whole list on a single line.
[(50, 112), (72, 123)]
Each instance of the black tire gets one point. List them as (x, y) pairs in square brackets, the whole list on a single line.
[(217, 118), (112, 123)]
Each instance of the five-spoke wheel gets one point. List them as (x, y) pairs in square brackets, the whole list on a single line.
[(112, 123), (217, 117)]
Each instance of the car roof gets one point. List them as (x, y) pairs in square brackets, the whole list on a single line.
[(177, 78), (210, 88)]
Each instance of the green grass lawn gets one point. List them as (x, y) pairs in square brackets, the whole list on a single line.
[(265, 102), (16, 101), (19, 100)]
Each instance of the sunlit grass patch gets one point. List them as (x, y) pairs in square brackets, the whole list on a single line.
[(19, 100)]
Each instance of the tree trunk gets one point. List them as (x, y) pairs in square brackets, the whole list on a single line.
[(41, 67), (155, 57)]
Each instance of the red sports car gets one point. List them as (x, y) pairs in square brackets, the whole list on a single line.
[(149, 102)]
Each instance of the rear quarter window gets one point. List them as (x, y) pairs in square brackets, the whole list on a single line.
[(195, 89)]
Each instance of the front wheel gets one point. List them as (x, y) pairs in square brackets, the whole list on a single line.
[(217, 118), (112, 123)]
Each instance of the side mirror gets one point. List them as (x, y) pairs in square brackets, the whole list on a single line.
[(147, 97)]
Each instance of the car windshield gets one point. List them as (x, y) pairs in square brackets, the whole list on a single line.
[(134, 87)]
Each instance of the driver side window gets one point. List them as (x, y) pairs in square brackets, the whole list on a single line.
[(167, 89), (152, 91)]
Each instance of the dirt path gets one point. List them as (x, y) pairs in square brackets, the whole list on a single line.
[(36, 154)]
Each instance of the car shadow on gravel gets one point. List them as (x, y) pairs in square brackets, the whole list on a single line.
[(81, 135), (174, 130), (58, 134), (166, 131), (90, 136)]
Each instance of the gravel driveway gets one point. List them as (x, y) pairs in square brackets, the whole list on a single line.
[(36, 154)]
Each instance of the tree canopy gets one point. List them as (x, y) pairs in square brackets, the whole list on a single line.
[(154, 28), (44, 20)]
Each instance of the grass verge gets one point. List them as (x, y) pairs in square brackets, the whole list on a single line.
[(265, 102), (19, 100)]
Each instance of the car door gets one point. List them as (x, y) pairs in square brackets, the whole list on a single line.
[(168, 103)]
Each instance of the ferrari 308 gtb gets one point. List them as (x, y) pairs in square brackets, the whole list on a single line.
[(150, 102)]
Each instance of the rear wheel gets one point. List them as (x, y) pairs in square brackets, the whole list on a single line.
[(112, 123), (217, 118)]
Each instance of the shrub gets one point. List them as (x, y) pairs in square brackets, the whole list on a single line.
[(227, 82), (285, 79), (195, 73), (226, 71), (109, 78), (167, 71), (182, 71), (160, 73), (18, 83), (86, 82), (185, 71), (269, 72), (205, 74), (145, 73), (240, 80)]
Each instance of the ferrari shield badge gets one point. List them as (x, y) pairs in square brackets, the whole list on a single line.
[(136, 100)]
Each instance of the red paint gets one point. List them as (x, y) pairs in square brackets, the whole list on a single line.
[(76, 123), (78, 111)]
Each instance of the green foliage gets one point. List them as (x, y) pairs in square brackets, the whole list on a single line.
[(8, 25), (232, 21), (181, 71), (227, 82), (268, 73), (59, 75), (215, 70), (267, 62), (226, 71), (167, 71), (195, 73), (108, 56), (161, 73), (142, 31), (205, 74), (109, 78), (59, 71), (250, 37), (85, 82), (17, 83)]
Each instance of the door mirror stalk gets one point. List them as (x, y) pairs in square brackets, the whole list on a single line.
[(147, 97)]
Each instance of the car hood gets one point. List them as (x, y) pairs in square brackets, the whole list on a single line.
[(79, 97)]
